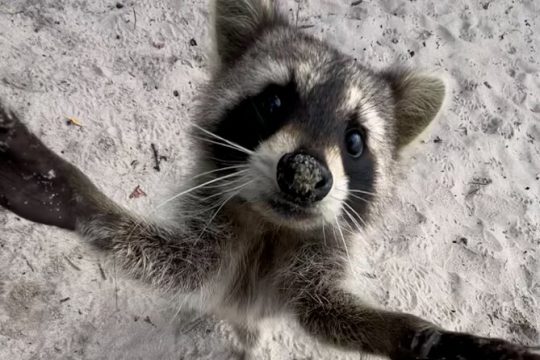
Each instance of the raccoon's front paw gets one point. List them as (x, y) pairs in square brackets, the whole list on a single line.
[(434, 344), (33, 180)]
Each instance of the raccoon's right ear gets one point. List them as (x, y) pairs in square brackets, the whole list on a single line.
[(418, 98), (238, 23)]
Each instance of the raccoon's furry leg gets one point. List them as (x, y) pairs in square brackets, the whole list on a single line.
[(37, 184), (337, 317), (40, 186)]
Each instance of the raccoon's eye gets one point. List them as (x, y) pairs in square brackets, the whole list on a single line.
[(354, 143), (272, 104), (275, 101)]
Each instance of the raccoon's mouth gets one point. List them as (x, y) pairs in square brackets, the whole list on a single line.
[(290, 210)]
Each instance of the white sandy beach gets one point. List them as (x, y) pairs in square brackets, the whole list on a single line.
[(461, 241)]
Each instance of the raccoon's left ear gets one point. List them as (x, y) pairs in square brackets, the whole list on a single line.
[(419, 98), (238, 23)]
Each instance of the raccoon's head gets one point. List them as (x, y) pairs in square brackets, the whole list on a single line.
[(303, 132)]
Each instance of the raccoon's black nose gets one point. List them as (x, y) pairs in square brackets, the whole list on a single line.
[(303, 178)]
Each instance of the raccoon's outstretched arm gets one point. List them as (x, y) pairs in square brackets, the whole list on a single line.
[(40, 186), (338, 318), (37, 184)]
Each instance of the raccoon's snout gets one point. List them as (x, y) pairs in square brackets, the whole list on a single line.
[(303, 178)]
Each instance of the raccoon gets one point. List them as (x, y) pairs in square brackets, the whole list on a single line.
[(297, 146)]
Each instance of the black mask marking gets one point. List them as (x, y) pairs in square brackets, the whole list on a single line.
[(359, 169), (254, 120)]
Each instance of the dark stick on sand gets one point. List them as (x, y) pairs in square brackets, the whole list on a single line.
[(157, 159)]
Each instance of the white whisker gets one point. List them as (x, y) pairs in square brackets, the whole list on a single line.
[(362, 192), (355, 213), (195, 188), (355, 196), (324, 234), (220, 169), (221, 207), (343, 239), (239, 147), (225, 191), (360, 198), (353, 220), (229, 182)]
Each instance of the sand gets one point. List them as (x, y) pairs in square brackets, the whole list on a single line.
[(460, 240)]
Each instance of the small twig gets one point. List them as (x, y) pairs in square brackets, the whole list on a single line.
[(73, 121), (134, 19), (102, 272), (11, 13), (481, 181), (157, 158), (28, 263), (64, 299), (473, 191), (147, 319), (72, 264)]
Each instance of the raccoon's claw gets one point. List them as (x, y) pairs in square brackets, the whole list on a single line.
[(33, 180), (443, 345)]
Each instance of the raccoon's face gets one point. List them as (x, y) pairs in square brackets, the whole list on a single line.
[(310, 134)]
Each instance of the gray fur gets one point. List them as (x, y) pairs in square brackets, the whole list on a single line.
[(237, 23), (226, 250)]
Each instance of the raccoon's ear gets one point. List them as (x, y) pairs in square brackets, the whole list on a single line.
[(238, 23), (419, 97)]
